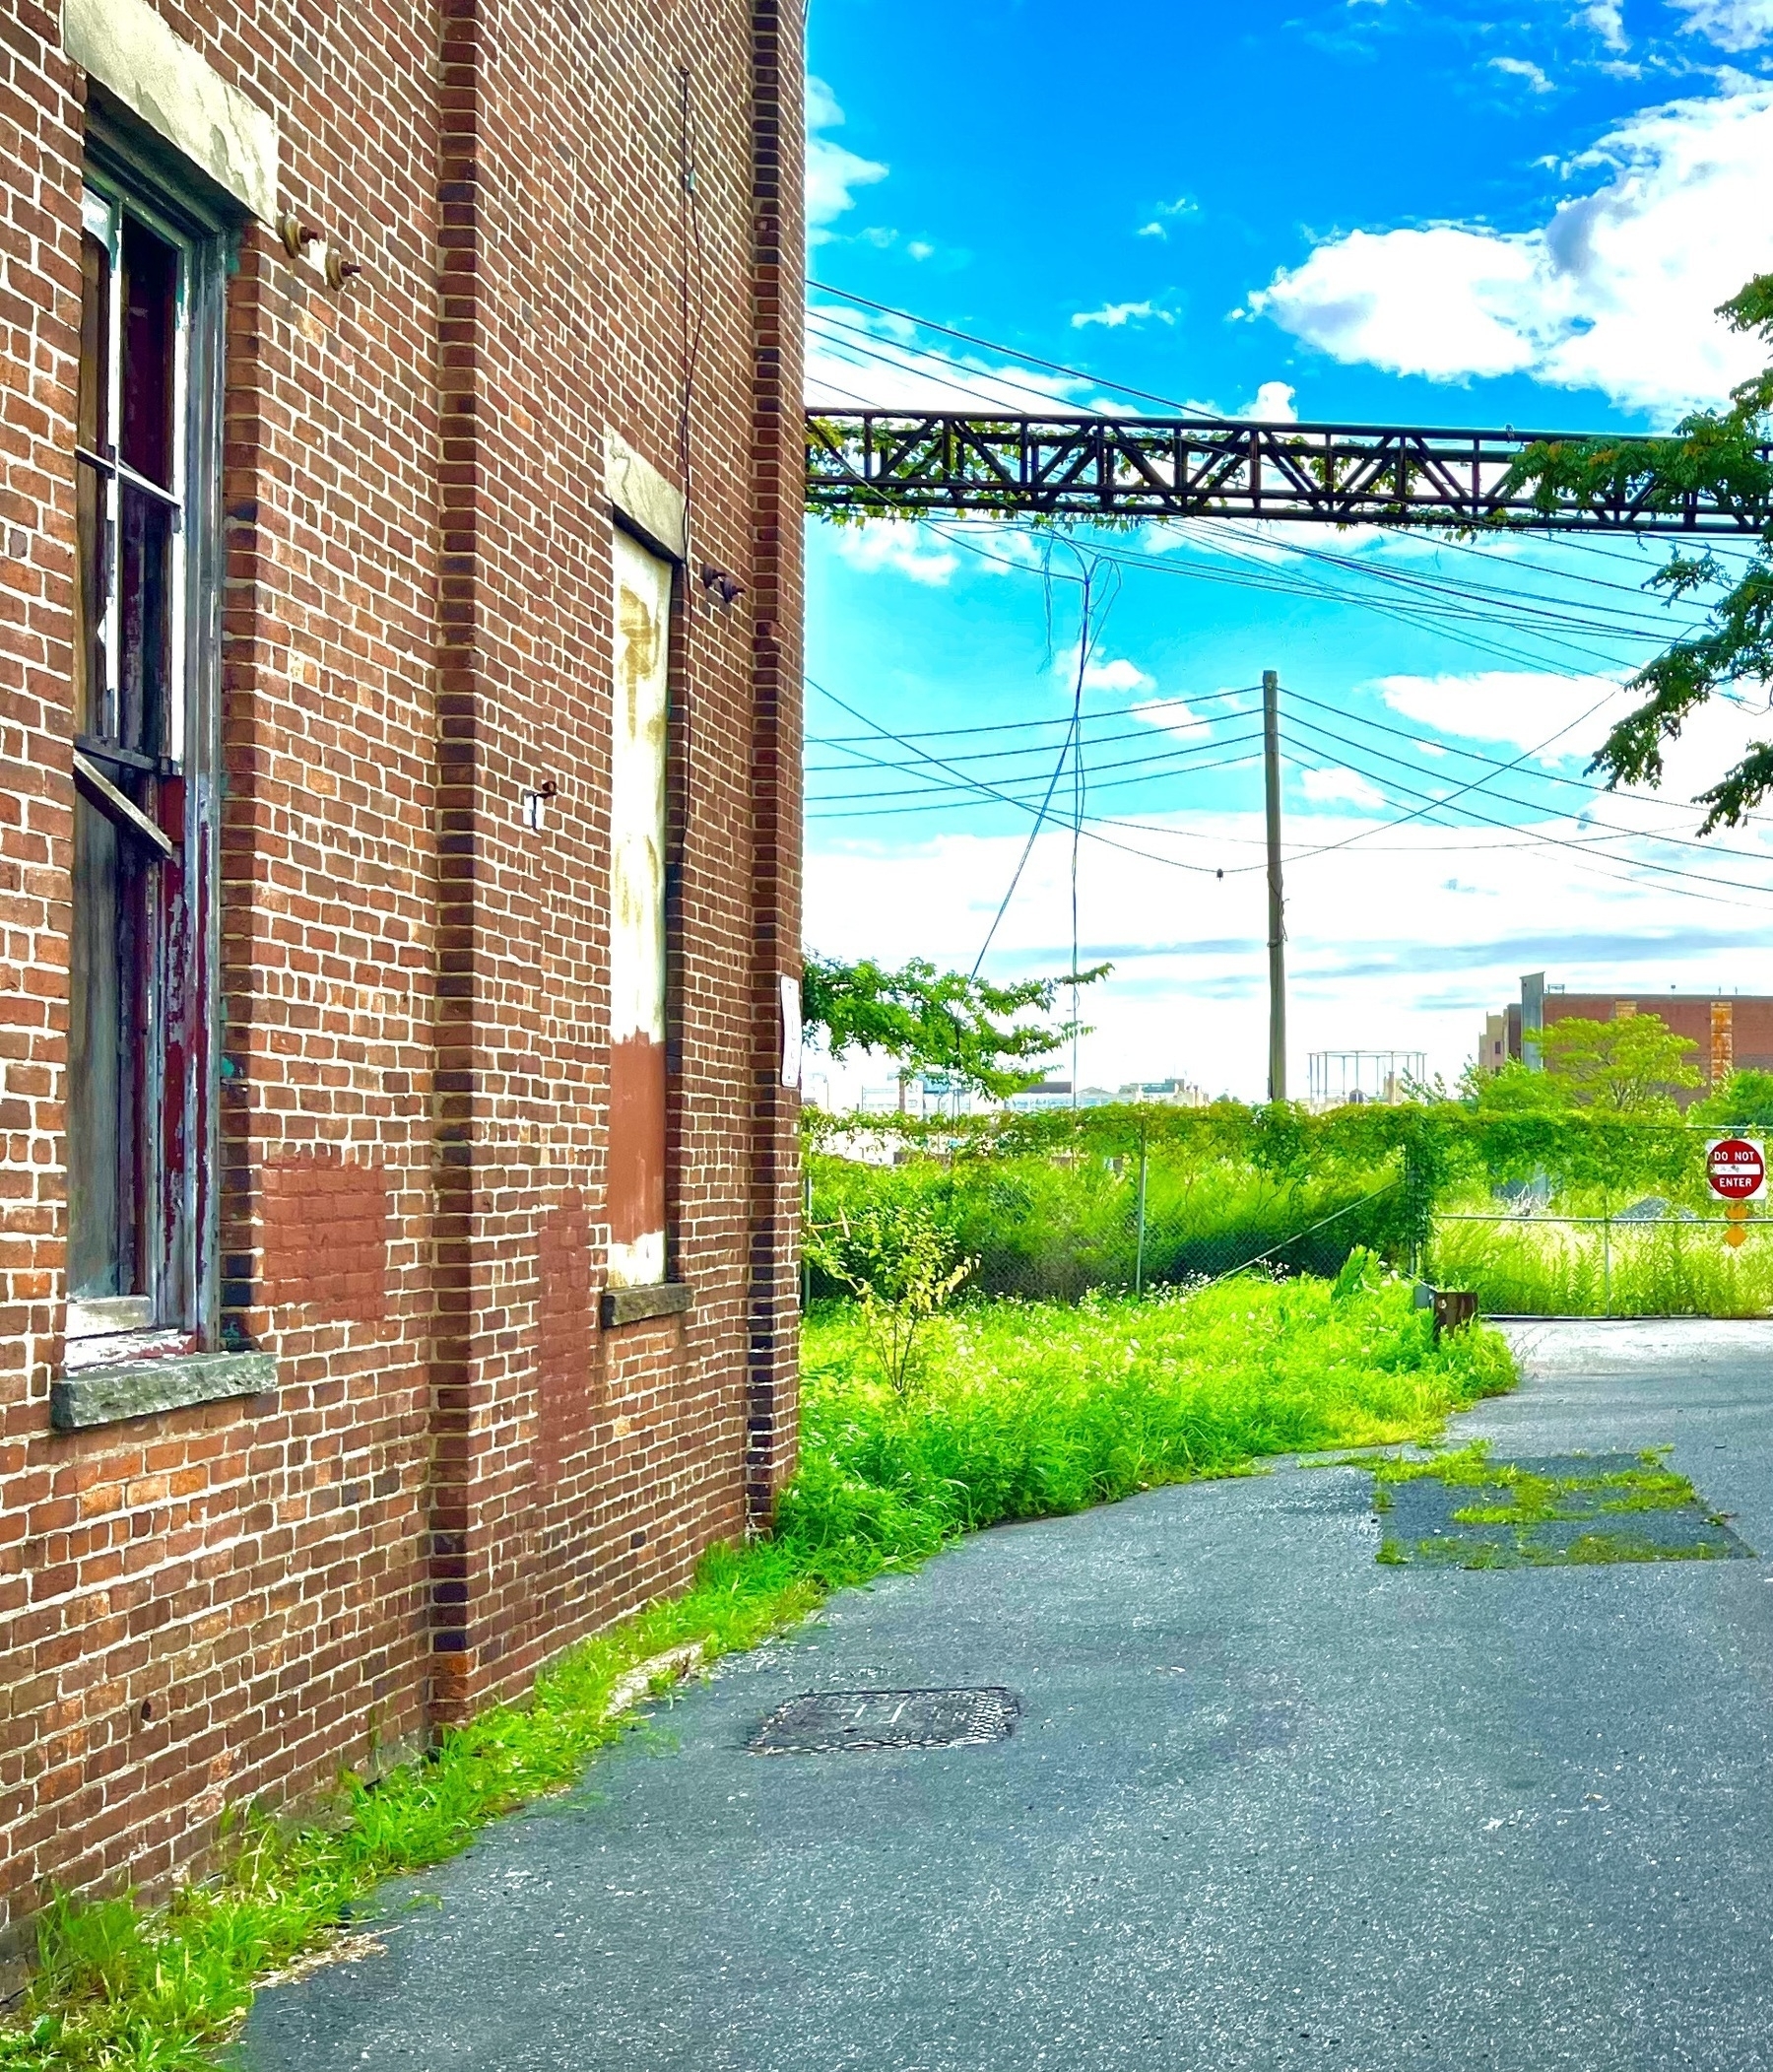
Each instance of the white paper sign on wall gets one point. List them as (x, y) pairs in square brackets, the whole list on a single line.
[(791, 1031)]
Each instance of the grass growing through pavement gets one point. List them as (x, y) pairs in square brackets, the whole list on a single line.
[(1023, 1411), (1523, 1502)]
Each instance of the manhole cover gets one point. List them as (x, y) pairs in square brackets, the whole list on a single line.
[(825, 1722)]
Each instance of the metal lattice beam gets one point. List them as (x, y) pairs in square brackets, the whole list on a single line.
[(943, 463)]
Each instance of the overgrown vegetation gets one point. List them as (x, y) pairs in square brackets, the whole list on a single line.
[(1021, 1411), (1579, 1191), (899, 1260), (1525, 1267), (1036, 1409), (1573, 1511)]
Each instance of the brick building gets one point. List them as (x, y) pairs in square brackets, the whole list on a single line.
[(1733, 1031), (399, 845)]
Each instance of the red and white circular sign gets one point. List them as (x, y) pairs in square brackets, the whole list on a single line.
[(1736, 1168)]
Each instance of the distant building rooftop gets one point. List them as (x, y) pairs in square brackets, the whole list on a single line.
[(1734, 1031)]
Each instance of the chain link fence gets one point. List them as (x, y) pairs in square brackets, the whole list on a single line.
[(1537, 1216)]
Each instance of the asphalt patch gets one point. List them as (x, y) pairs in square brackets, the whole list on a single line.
[(1566, 1509)]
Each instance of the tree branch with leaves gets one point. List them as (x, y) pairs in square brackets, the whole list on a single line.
[(932, 1020), (1716, 454)]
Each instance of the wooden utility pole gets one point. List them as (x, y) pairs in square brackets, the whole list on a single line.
[(1276, 905)]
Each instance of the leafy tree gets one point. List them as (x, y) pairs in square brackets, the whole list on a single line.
[(1714, 453), (933, 1021), (1744, 1101), (1624, 1067), (1514, 1090)]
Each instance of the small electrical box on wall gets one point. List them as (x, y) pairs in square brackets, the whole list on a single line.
[(533, 806)]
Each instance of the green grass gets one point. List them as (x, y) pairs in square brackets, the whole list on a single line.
[(1662, 1269), (1024, 1411), (1522, 1500), (1049, 1226)]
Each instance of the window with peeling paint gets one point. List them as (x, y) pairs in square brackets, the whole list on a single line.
[(640, 710), (140, 977)]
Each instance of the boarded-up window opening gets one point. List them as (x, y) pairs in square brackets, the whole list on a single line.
[(139, 1042), (640, 713)]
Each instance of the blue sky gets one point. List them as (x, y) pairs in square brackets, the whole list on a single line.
[(1370, 212)]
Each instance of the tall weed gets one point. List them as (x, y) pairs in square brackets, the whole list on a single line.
[(1661, 1269)]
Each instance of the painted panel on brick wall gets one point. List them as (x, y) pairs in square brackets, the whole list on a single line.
[(636, 1181)]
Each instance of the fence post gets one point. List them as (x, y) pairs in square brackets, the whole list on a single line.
[(1606, 1262), (1139, 1249), (1418, 1206)]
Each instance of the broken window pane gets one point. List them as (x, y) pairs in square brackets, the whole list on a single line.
[(123, 1115)]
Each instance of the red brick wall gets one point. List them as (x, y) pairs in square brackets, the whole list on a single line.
[(1744, 1031), (459, 1472)]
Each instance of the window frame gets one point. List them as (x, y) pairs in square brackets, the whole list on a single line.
[(174, 1303)]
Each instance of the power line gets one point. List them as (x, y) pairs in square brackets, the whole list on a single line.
[(1052, 366), (991, 791), (1016, 726), (1587, 862), (1272, 582), (862, 810), (1168, 757), (952, 378), (1546, 776), (1433, 804), (1034, 748)]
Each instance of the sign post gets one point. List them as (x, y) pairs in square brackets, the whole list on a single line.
[(1735, 1170)]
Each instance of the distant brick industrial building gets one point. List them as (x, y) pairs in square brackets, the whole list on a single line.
[(1734, 1031), (400, 613)]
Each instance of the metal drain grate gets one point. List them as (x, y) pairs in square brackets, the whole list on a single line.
[(830, 1723)]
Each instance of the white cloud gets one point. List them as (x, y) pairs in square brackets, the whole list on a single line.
[(1615, 293), (1405, 939), (1170, 212), (1169, 716), (1516, 708), (1341, 787), (1523, 68), (1731, 25), (1607, 17), (832, 173), (1514, 711), (1274, 405), (889, 544), (1117, 674), (1115, 314)]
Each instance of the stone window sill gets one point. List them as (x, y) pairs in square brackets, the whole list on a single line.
[(139, 1388), (639, 1305)]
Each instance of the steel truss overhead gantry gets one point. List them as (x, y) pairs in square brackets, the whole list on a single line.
[(950, 463)]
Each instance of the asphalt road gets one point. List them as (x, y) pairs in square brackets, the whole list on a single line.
[(1268, 1805)]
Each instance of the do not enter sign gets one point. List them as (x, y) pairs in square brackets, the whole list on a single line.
[(1736, 1168)]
